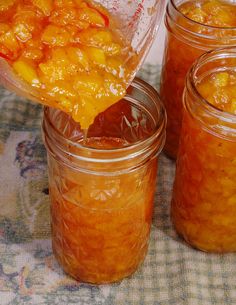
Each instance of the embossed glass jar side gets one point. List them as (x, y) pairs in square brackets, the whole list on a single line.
[(203, 204), (102, 192)]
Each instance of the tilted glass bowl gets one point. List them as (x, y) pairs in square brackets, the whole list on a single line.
[(139, 21)]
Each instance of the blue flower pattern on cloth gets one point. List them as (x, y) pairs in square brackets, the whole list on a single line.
[(29, 165)]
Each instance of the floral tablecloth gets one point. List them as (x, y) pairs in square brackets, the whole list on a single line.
[(173, 273)]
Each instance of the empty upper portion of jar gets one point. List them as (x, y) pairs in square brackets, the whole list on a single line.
[(196, 33), (212, 117), (123, 137)]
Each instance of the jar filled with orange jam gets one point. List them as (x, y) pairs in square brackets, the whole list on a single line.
[(204, 197), (102, 185), (194, 27)]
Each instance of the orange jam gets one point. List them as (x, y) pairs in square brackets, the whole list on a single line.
[(102, 188), (193, 28), (70, 50), (210, 12), (219, 89), (204, 197), (101, 227)]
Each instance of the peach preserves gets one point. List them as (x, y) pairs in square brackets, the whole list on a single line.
[(204, 198), (102, 187), (71, 51), (193, 28)]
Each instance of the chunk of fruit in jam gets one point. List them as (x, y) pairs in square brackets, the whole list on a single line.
[(210, 12), (68, 51), (219, 89)]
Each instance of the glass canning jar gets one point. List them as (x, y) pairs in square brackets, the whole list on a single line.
[(102, 186), (186, 40), (204, 196)]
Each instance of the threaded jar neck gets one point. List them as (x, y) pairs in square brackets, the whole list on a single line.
[(223, 123), (74, 153)]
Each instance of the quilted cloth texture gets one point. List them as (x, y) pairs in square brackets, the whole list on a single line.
[(172, 274)]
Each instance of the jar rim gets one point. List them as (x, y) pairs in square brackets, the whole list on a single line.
[(191, 83), (199, 23), (122, 152)]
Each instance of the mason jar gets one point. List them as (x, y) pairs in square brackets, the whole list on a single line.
[(204, 197), (102, 185), (186, 40)]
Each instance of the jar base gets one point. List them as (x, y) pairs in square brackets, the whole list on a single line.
[(203, 246), (198, 247), (104, 279), (170, 152), (169, 156)]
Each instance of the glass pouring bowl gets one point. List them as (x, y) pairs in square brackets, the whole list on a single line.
[(139, 21)]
